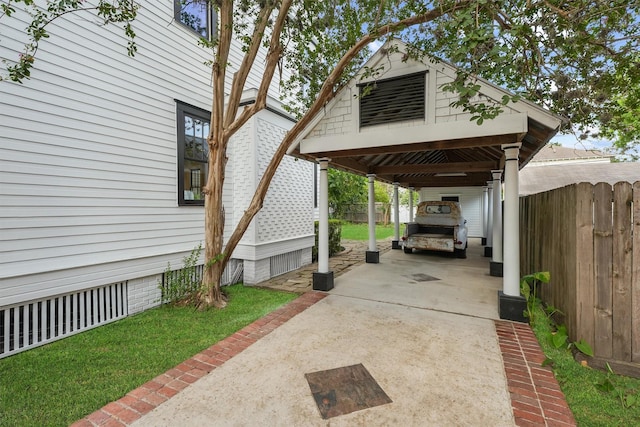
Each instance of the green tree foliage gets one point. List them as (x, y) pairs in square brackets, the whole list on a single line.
[(44, 15), (383, 192), (345, 189), (578, 58), (404, 197), (623, 125)]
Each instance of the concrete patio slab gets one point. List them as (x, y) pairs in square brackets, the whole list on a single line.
[(437, 368), (424, 326)]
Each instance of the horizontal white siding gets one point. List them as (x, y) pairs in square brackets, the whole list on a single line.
[(88, 166), (470, 201)]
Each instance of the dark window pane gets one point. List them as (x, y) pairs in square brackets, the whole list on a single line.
[(193, 130), (194, 14)]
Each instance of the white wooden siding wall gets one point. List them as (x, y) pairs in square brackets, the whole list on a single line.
[(88, 154), (470, 199)]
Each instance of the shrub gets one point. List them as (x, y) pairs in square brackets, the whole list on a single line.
[(335, 234), (182, 285)]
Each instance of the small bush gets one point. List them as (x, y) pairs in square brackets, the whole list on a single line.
[(335, 235), (183, 284)]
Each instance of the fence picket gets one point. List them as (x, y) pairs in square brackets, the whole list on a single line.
[(603, 256), (585, 286), (621, 271), (635, 276)]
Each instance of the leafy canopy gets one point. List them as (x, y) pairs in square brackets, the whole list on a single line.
[(578, 58), (42, 15)]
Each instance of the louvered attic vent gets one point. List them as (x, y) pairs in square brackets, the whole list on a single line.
[(393, 100)]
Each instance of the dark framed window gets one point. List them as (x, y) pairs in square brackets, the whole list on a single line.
[(197, 15), (393, 100), (193, 153)]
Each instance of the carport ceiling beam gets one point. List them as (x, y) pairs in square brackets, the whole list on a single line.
[(445, 181), (456, 144), (436, 168)]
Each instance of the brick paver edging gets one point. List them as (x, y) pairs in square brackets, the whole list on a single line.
[(536, 397), (148, 396)]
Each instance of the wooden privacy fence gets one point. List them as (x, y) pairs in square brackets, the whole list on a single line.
[(359, 213), (588, 237)]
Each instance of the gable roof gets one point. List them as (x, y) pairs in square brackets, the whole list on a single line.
[(544, 178), (558, 153), (444, 148)]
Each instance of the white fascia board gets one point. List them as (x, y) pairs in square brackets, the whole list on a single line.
[(312, 124), (258, 251), (505, 124), (249, 95)]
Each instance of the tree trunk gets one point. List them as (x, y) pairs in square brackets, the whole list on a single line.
[(211, 294), (221, 131)]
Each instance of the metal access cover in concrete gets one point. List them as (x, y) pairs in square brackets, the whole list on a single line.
[(421, 277), (344, 390)]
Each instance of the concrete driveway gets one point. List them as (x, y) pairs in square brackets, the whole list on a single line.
[(407, 342)]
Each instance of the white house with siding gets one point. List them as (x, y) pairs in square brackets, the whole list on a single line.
[(102, 160)]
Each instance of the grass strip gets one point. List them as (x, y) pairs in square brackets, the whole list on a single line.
[(590, 406), (351, 231), (59, 383)]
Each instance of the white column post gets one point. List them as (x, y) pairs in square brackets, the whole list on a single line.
[(511, 278), (323, 278), (495, 268), (372, 255), (488, 247), (411, 204), (485, 213), (395, 244)]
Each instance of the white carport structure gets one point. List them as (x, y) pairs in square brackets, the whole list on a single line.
[(404, 131)]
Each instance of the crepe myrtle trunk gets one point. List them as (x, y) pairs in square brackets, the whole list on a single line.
[(211, 294), (222, 128)]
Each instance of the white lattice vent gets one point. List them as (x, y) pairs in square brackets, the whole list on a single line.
[(285, 263), (233, 273), (35, 323)]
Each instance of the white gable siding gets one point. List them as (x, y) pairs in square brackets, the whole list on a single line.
[(337, 128), (470, 200), (88, 168)]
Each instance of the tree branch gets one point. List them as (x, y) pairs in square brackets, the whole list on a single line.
[(273, 57), (240, 77), (325, 94), (219, 73)]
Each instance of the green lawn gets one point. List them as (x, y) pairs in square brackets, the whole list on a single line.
[(590, 406), (351, 231), (64, 381)]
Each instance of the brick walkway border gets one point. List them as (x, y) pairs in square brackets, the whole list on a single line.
[(536, 397), (148, 396)]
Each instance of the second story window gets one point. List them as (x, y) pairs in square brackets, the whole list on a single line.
[(198, 15)]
